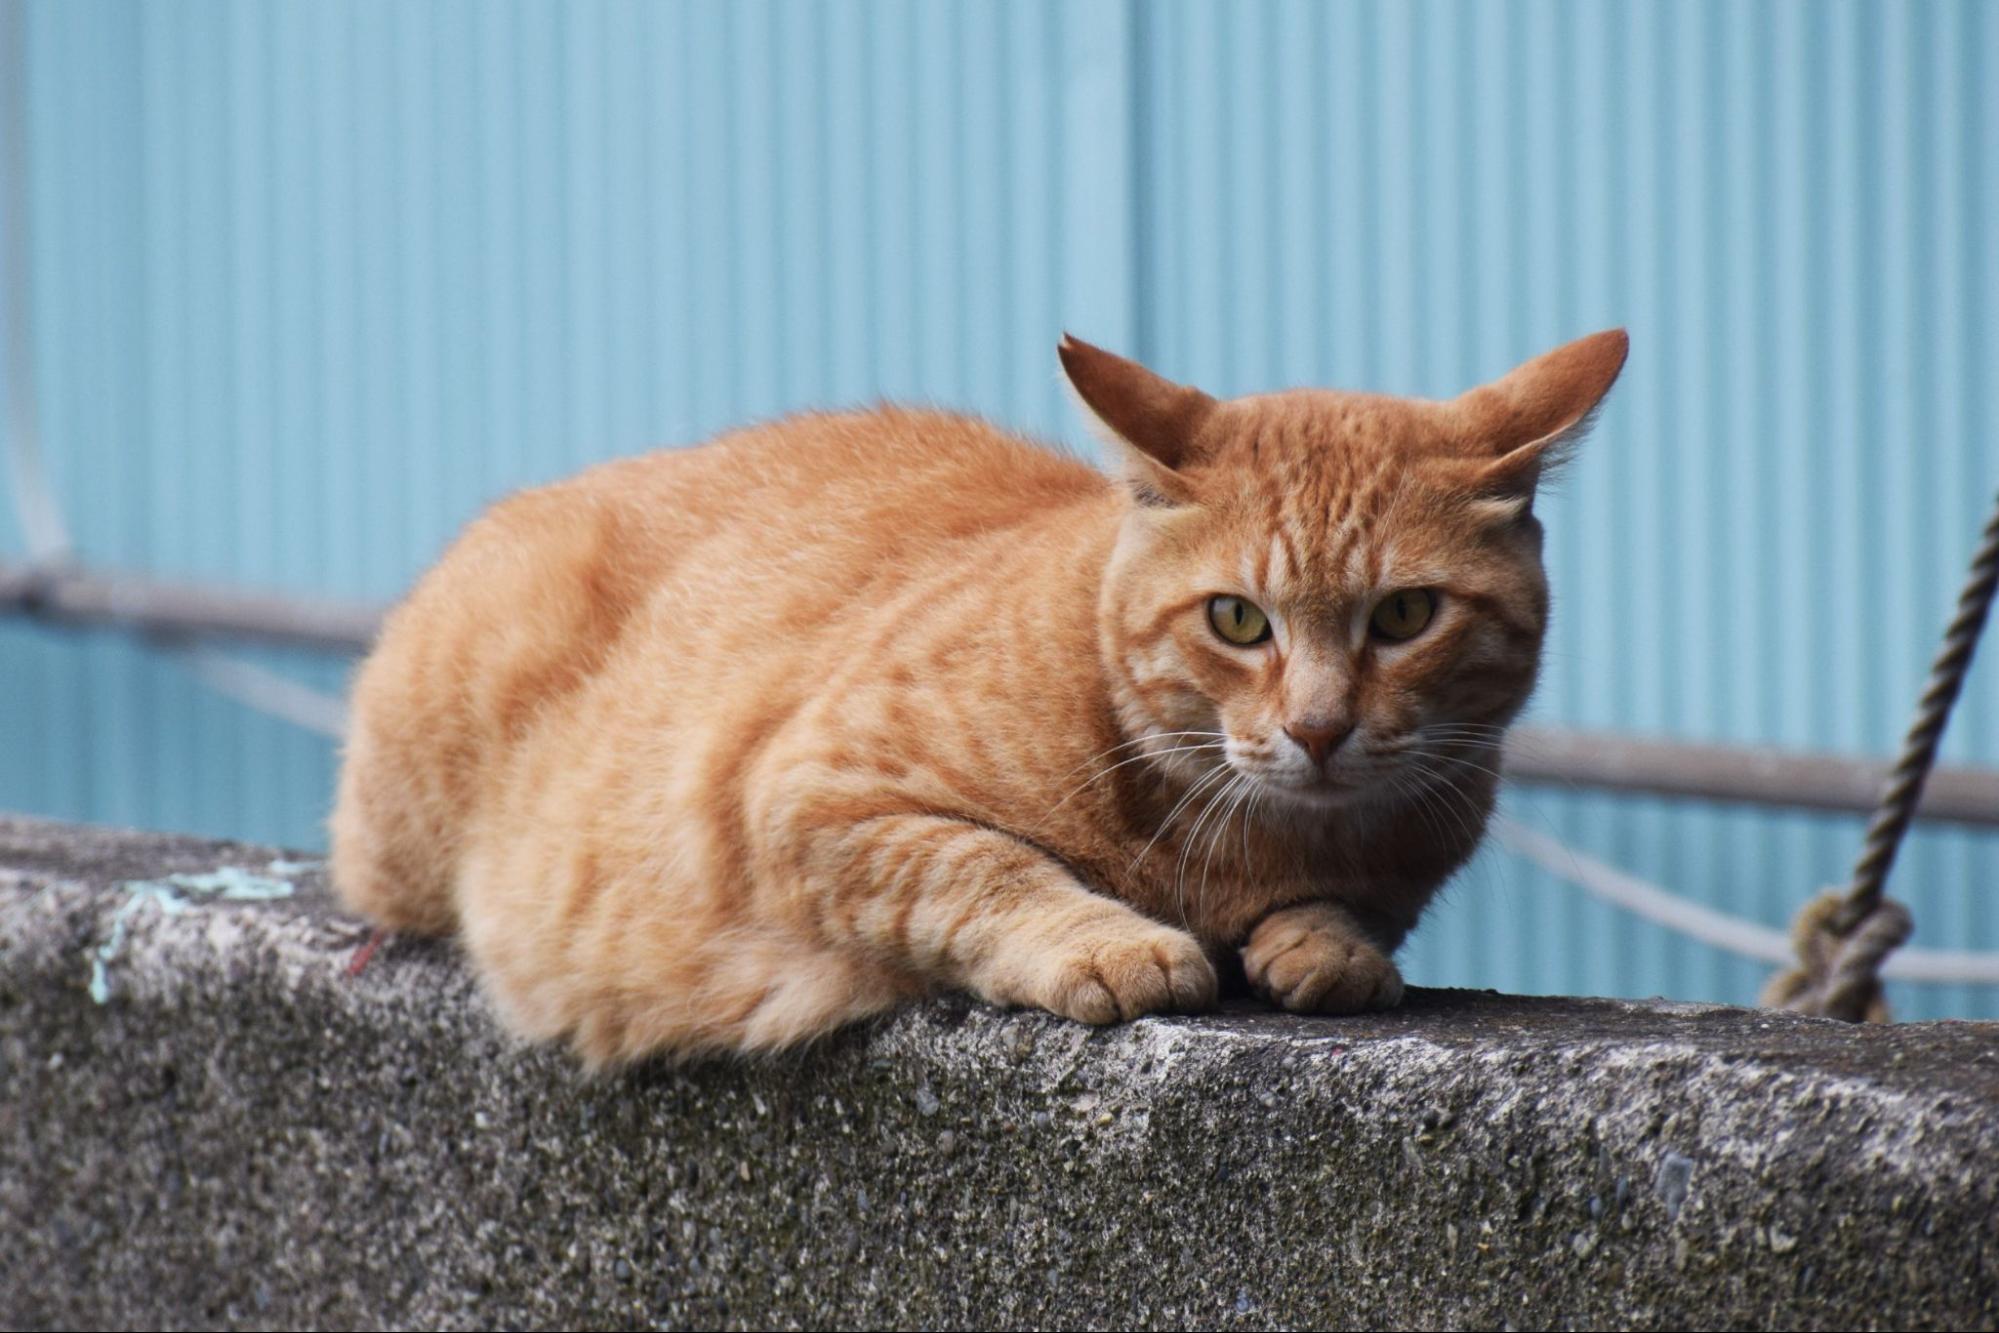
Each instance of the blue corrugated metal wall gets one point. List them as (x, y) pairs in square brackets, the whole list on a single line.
[(311, 283)]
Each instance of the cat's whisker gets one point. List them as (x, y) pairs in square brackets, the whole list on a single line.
[(1488, 743), (1450, 745), (1146, 739), (1222, 802), (1475, 740), (1420, 801), (1401, 786), (1229, 796), (1244, 790), (1472, 730), (1187, 844), (1192, 791), (1136, 759), (1193, 835), (1445, 793), (1425, 805), (1255, 799), (1460, 761)]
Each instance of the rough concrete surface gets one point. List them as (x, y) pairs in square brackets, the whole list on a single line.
[(243, 1134)]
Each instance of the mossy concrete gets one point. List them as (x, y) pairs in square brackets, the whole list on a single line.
[(242, 1133)]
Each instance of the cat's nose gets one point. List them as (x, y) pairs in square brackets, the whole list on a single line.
[(1319, 737)]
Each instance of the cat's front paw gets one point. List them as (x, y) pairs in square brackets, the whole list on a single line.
[(1315, 963), (1125, 975)]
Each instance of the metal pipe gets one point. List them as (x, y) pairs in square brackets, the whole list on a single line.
[(168, 609), (1737, 774), (1535, 756)]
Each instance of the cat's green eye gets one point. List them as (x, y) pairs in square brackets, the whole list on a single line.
[(1403, 615), (1241, 623)]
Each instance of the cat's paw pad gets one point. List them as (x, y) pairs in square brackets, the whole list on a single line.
[(1107, 980), (1321, 969)]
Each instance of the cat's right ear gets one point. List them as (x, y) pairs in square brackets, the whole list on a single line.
[(1151, 421)]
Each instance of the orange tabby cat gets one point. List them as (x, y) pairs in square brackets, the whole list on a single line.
[(721, 748)]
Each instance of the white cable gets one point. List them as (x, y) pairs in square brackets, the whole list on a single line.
[(42, 526), (1737, 936), (266, 691)]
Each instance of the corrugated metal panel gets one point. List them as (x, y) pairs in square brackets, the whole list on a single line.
[(313, 282)]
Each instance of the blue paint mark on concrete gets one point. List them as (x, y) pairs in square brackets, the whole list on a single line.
[(140, 891), (226, 882), (173, 894)]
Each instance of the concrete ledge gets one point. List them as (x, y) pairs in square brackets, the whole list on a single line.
[(241, 1133)]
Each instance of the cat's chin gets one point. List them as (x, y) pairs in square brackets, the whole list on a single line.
[(1319, 797)]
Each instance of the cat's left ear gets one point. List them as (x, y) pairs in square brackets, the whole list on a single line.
[(1527, 421)]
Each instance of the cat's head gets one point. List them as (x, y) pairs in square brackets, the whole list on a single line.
[(1339, 595)]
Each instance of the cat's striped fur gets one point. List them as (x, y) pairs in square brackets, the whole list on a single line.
[(721, 748)]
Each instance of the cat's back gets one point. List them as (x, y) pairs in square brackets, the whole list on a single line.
[(765, 539), (766, 526), (886, 483), (813, 490)]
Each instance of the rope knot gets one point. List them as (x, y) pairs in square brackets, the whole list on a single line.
[(1839, 959)]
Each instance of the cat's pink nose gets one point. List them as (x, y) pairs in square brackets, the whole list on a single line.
[(1319, 737)]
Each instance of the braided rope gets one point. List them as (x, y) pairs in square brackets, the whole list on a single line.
[(1919, 750), (1842, 941)]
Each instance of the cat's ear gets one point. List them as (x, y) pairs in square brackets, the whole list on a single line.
[(1526, 422), (1150, 420)]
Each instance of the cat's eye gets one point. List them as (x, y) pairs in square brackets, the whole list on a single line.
[(1240, 622), (1403, 615)]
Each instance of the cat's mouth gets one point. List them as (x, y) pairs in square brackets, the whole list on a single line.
[(1364, 780), (1317, 791)]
